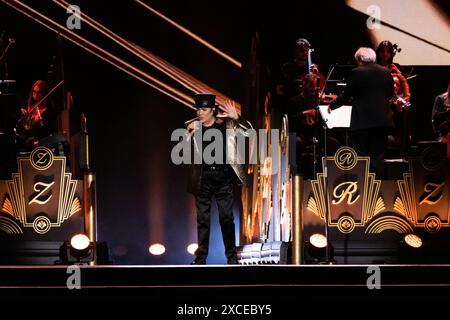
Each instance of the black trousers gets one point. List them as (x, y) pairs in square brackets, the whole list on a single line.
[(371, 142), (217, 184)]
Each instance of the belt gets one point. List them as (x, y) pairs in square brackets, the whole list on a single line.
[(216, 168)]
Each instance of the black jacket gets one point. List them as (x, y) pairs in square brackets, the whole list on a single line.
[(234, 158), (370, 87)]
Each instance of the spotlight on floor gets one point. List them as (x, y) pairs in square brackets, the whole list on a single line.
[(78, 250), (79, 242), (413, 240), (411, 249), (318, 240), (191, 248), (316, 250), (157, 249)]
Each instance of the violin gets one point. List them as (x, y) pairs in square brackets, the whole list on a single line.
[(314, 95), (327, 98), (32, 118), (32, 115), (314, 69), (401, 89), (311, 114)]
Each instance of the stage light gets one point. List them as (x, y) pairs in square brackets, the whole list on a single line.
[(318, 240), (78, 250), (317, 251), (191, 248), (79, 242), (157, 249), (413, 240), (411, 250)]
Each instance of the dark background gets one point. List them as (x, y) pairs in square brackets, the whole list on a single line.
[(141, 194)]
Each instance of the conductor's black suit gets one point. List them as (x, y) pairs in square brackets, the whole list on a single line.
[(369, 89)]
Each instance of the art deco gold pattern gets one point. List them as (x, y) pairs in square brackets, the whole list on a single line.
[(348, 192), (432, 224), (356, 199), (346, 158), (389, 223), (404, 204), (9, 226), (42, 180), (412, 197), (7, 206), (76, 206), (312, 206), (41, 159), (346, 224)]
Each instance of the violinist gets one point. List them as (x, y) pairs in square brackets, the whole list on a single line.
[(293, 71), (304, 121), (302, 111), (386, 52), (38, 118), (441, 117), (400, 102)]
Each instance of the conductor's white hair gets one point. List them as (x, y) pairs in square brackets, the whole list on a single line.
[(365, 55)]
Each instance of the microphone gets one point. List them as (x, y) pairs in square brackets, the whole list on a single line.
[(190, 121), (10, 42)]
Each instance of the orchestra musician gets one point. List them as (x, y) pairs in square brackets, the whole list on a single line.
[(304, 121), (400, 102), (293, 71), (38, 118), (441, 117)]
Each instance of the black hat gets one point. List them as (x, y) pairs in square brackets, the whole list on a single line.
[(205, 100)]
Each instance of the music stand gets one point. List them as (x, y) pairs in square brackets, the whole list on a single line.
[(338, 118)]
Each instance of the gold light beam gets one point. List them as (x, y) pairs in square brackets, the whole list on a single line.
[(191, 34), (101, 53), (176, 74)]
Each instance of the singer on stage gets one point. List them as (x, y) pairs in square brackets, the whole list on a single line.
[(217, 179)]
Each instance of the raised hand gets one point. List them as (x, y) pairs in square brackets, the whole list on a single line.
[(228, 110)]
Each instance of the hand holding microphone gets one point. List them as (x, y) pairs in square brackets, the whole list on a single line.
[(191, 124)]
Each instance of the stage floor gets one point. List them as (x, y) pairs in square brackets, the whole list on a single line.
[(179, 286)]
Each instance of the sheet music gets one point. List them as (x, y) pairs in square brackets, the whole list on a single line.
[(338, 118)]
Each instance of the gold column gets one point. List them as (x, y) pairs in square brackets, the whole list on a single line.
[(90, 210), (297, 230)]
